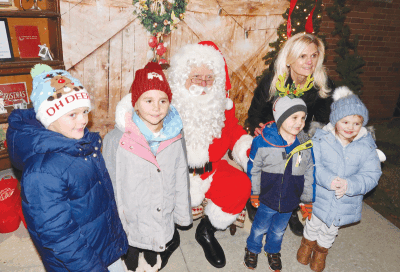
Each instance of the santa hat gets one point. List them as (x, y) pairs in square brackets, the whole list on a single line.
[(346, 103), (151, 77), (55, 93), (196, 54), (229, 102)]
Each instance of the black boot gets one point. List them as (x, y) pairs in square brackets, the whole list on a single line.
[(170, 247), (212, 249), (295, 225)]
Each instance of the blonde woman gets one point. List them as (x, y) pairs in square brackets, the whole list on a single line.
[(301, 55)]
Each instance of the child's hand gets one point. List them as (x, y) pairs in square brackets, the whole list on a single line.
[(342, 189), (255, 202), (335, 184)]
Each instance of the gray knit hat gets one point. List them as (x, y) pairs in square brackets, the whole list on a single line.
[(286, 106), (346, 103)]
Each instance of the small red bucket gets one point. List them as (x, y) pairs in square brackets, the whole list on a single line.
[(10, 205)]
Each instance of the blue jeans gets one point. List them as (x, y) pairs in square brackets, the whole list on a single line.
[(273, 224)]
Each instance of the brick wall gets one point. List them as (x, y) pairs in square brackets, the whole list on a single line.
[(377, 22)]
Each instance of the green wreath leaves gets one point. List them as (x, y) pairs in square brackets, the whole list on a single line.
[(160, 16)]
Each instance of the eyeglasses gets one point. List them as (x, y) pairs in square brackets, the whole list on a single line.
[(198, 80)]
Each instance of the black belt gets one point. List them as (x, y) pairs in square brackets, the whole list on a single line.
[(201, 170)]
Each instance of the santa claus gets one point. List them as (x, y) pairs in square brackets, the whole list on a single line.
[(199, 81)]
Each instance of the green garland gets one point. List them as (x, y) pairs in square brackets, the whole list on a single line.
[(160, 16)]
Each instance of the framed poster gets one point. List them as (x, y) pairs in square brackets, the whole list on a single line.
[(6, 52)]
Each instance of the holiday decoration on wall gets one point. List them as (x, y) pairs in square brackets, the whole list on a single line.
[(301, 16), (348, 64), (159, 17)]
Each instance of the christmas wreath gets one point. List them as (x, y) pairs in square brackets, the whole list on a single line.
[(160, 17)]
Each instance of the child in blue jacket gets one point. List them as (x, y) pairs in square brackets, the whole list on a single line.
[(281, 171), (347, 167), (67, 195)]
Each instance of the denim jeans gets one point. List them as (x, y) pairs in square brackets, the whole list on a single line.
[(273, 224)]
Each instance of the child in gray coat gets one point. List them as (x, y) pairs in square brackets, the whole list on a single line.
[(146, 158)]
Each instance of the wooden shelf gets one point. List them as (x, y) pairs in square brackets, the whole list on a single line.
[(23, 66), (17, 70), (30, 14)]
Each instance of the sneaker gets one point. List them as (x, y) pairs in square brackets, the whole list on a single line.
[(250, 259), (274, 260)]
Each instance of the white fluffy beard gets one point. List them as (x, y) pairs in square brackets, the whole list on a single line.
[(203, 118)]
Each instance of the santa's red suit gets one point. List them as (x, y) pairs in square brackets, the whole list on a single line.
[(199, 81), (225, 186)]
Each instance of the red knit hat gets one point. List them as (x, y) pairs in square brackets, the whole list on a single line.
[(151, 77)]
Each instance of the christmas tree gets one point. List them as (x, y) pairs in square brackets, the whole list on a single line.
[(299, 12), (348, 64)]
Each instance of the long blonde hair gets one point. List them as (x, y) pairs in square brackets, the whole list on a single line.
[(290, 52)]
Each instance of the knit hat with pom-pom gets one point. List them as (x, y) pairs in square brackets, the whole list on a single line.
[(55, 93), (346, 103), (151, 77)]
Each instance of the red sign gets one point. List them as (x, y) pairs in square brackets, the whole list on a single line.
[(14, 93)]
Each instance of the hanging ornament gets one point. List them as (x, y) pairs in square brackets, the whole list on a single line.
[(161, 49), (289, 22), (162, 61), (153, 41)]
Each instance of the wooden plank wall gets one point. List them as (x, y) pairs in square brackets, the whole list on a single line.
[(104, 44)]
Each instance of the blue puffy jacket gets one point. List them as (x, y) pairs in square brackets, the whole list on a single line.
[(358, 163), (67, 196)]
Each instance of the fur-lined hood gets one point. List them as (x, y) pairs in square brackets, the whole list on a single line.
[(317, 125)]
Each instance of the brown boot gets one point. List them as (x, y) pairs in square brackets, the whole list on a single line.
[(318, 258), (305, 251)]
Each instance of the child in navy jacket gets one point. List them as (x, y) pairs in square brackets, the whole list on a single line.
[(67, 195), (281, 171)]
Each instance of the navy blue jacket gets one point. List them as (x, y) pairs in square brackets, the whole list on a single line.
[(282, 177), (67, 196)]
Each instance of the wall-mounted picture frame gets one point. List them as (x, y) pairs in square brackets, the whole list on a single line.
[(6, 52), (6, 3)]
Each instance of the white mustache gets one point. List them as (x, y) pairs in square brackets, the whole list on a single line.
[(196, 90)]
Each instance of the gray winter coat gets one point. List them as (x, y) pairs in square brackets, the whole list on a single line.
[(358, 163), (152, 192)]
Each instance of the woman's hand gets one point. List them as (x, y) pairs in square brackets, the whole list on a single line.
[(258, 130)]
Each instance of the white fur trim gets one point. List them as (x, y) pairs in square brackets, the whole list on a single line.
[(197, 157), (124, 106), (239, 151), (341, 92), (229, 104), (143, 266), (381, 155), (219, 219), (198, 189)]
